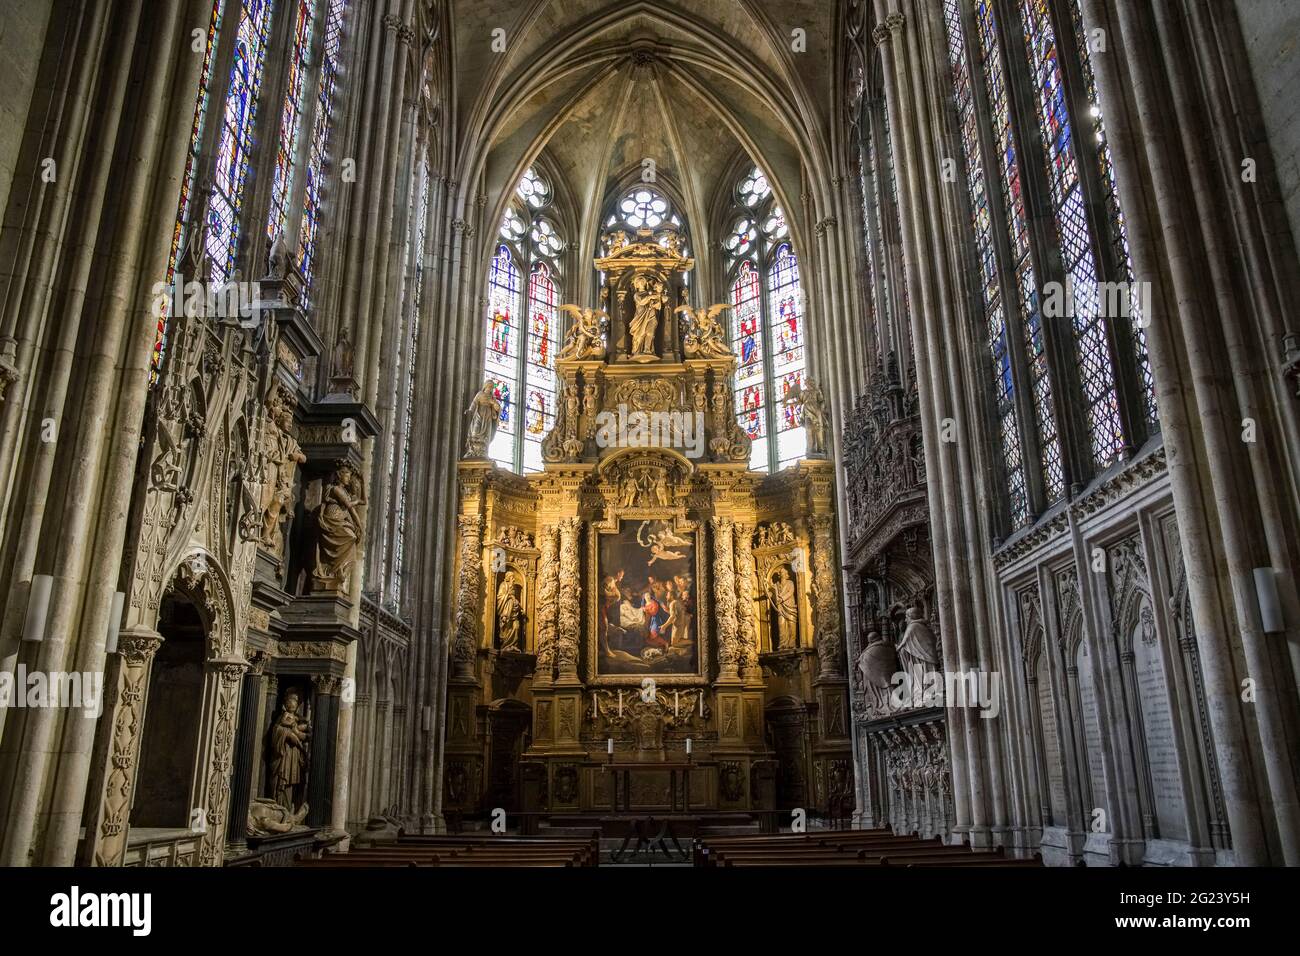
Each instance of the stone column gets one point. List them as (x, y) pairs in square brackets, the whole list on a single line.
[(469, 596), (126, 691), (242, 770), (221, 682), (1200, 232), (324, 741), (724, 601)]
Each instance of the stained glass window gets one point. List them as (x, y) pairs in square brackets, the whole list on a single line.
[(785, 325), (502, 361), (644, 208), (187, 179), (1096, 374), (1118, 228), (286, 153), (767, 332), (747, 336), (317, 151), (1008, 430), (539, 413), (235, 140), (523, 333), (1027, 315)]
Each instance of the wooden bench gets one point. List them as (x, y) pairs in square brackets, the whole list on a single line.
[(467, 850), (871, 848)]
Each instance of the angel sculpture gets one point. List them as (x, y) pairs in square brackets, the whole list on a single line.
[(661, 543), (586, 338), (705, 337)]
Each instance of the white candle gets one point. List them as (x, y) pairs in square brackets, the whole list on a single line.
[(595, 706), (675, 702), (688, 746), (701, 703), (620, 703), (609, 745)]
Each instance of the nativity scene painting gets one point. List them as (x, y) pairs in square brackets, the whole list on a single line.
[(647, 619)]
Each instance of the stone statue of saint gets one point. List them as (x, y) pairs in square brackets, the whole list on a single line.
[(918, 651), (338, 527), (649, 298), (484, 415), (816, 419), (812, 402), (289, 735), (341, 362), (277, 257), (510, 615), (876, 666), (785, 611), (283, 456)]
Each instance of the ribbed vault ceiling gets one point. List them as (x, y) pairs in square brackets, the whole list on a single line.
[(597, 86)]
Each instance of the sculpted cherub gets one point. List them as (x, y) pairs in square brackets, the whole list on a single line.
[(705, 337), (585, 337)]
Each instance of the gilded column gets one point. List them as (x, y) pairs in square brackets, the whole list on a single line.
[(570, 604), (826, 605), (747, 626), (548, 586), (724, 590), (469, 601)]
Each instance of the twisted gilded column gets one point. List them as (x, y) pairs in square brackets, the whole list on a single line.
[(548, 587), (826, 605), (469, 600), (724, 591), (570, 604), (747, 626)]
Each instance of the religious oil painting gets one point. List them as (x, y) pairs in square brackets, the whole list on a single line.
[(646, 621)]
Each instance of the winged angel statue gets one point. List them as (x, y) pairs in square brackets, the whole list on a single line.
[(705, 337), (586, 338)]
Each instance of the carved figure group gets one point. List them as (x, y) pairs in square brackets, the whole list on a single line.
[(586, 336), (705, 336)]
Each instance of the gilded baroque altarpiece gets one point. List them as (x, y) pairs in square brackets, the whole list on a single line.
[(646, 588)]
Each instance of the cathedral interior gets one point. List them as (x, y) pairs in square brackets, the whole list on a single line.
[(432, 422)]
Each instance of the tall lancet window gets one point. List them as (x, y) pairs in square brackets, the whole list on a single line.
[(522, 336), (286, 153), (318, 150), (187, 178), (1067, 356), (767, 325), (235, 141)]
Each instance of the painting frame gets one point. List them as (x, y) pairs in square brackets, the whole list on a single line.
[(613, 527)]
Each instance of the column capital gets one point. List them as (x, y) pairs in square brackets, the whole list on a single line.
[(139, 647)]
